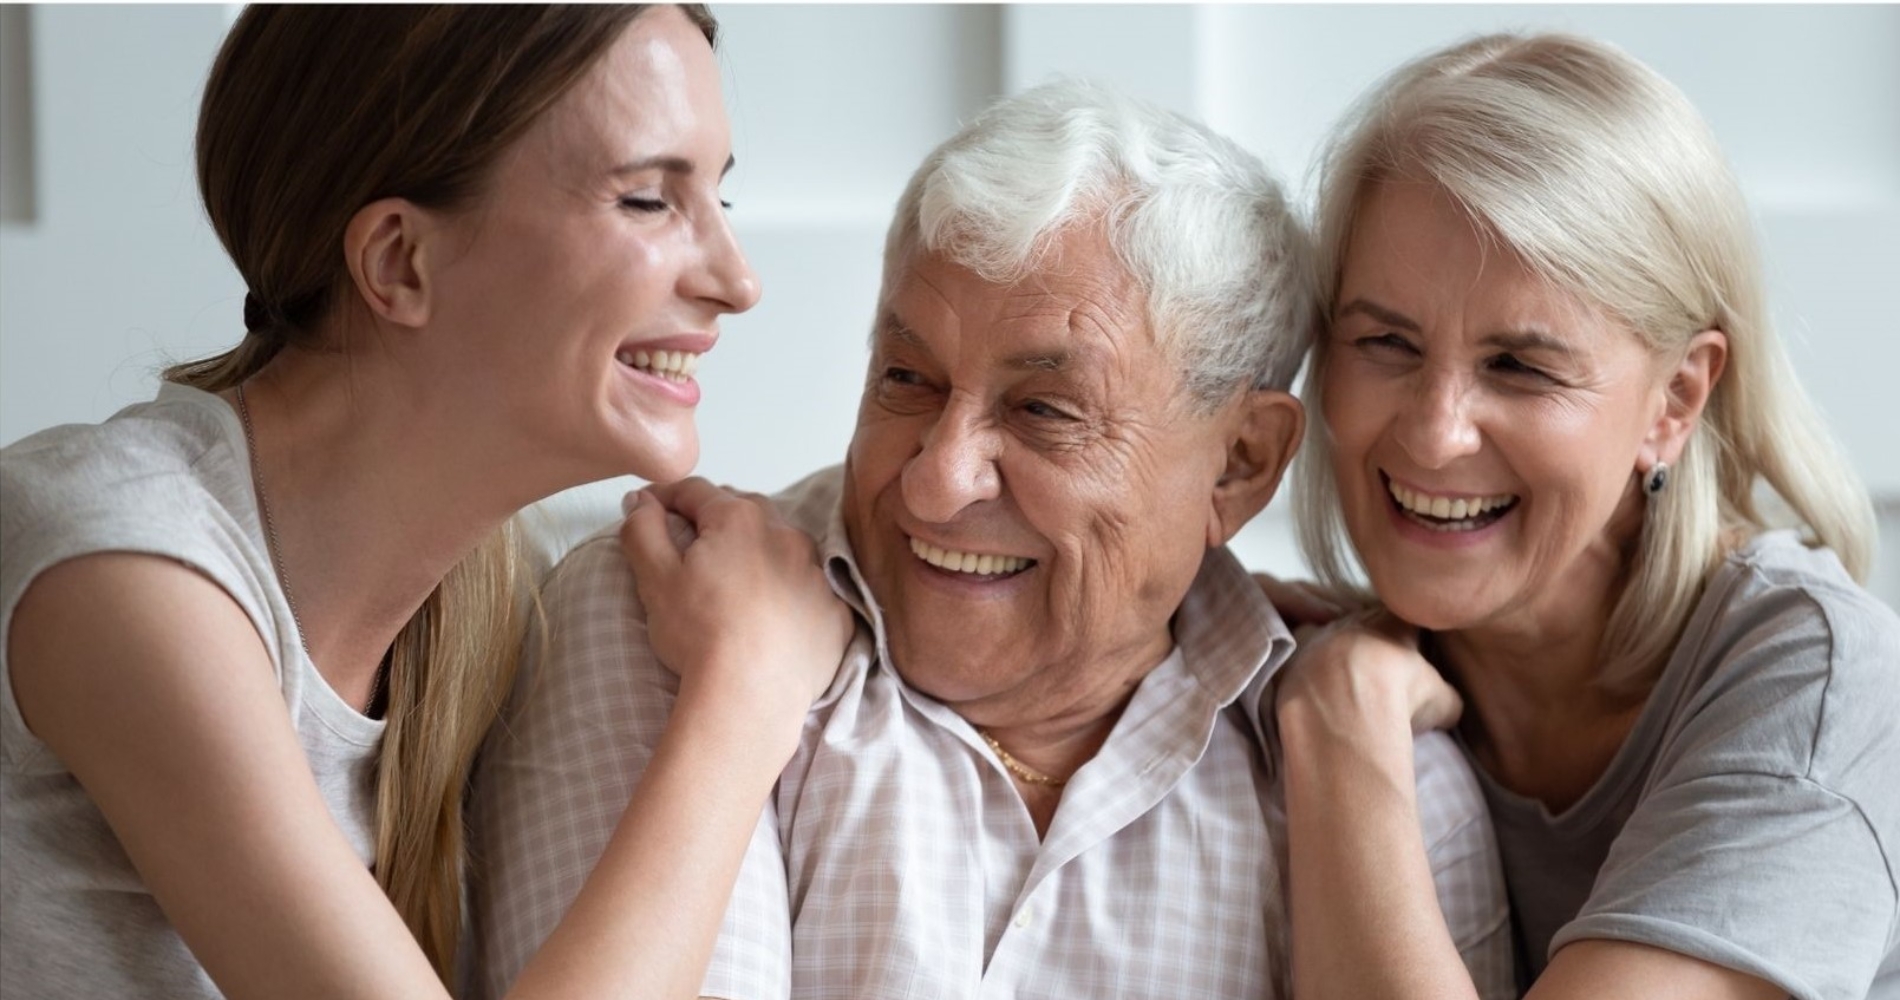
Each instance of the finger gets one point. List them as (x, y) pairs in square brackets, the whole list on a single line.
[(1440, 709), (644, 540), (689, 497)]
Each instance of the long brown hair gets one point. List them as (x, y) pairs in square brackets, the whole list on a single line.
[(310, 113)]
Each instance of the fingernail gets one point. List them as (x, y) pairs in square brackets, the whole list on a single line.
[(629, 502)]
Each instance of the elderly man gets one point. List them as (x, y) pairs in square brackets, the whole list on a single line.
[(1041, 770)]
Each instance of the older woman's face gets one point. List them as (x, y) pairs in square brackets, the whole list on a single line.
[(581, 290), (1486, 427), (1028, 492)]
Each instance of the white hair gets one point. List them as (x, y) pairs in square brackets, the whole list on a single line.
[(1602, 177), (1198, 223)]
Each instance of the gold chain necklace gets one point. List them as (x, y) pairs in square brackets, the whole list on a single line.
[(277, 550), (1017, 767)]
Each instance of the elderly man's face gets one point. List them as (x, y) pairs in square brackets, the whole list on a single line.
[(1030, 491)]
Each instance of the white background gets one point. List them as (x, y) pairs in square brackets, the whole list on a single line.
[(108, 271)]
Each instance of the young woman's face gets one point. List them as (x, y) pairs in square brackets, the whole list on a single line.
[(582, 289), (1486, 426)]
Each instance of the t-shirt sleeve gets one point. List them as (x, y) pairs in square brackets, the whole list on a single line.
[(1764, 839), (1467, 870), (588, 710)]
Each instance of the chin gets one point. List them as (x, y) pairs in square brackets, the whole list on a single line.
[(666, 458)]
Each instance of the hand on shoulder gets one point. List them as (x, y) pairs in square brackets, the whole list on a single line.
[(744, 606)]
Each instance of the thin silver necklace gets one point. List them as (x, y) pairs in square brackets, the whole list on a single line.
[(277, 550)]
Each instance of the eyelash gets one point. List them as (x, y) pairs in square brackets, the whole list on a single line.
[(657, 205)]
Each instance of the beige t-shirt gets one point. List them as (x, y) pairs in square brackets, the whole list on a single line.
[(171, 478)]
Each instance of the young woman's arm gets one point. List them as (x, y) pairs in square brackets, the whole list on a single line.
[(153, 687), (1366, 924)]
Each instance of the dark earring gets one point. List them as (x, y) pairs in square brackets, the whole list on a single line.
[(1657, 480)]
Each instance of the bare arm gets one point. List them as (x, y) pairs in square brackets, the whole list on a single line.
[(1366, 923), (744, 616), (153, 687)]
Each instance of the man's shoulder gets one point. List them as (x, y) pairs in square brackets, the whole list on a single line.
[(811, 503), (596, 561), (1450, 798)]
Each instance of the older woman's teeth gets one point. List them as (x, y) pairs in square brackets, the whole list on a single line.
[(674, 366), (968, 562), (1447, 514)]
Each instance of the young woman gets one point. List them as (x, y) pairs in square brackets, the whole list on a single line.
[(254, 630), (1550, 406)]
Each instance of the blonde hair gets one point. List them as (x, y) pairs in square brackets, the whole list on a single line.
[(310, 113), (1600, 176)]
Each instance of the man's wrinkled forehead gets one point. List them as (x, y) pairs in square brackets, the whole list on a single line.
[(1075, 305)]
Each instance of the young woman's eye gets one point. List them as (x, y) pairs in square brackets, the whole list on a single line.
[(635, 204), (723, 203)]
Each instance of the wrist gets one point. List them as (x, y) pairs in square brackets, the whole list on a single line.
[(1345, 706)]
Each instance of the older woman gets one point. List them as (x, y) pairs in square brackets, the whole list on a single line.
[(1555, 423), (254, 630)]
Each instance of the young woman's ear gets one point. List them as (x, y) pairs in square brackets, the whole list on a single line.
[(388, 247)]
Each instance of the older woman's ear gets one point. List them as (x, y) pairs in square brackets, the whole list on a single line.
[(1266, 432), (1684, 396)]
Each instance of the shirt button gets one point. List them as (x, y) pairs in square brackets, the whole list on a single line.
[(1025, 918)]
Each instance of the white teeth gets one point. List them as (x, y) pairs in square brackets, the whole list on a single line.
[(1446, 508), (968, 562), (675, 366)]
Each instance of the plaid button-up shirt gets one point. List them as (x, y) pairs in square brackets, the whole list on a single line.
[(896, 859)]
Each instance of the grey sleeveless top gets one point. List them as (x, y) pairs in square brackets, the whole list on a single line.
[(169, 478)]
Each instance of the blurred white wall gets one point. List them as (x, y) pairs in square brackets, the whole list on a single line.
[(107, 270)]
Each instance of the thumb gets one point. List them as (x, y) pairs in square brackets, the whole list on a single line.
[(644, 539)]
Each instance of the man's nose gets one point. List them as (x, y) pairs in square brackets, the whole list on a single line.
[(955, 465)]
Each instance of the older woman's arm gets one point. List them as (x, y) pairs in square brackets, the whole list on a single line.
[(1366, 922)]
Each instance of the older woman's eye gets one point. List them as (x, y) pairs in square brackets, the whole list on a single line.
[(1511, 364), (1385, 343)]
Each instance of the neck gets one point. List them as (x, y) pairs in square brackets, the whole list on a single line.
[(1537, 717), (373, 498)]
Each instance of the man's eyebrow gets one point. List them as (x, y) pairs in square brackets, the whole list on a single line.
[(668, 163), (891, 326), (1370, 308), (1038, 361)]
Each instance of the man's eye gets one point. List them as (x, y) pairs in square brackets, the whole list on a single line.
[(1043, 411), (902, 376)]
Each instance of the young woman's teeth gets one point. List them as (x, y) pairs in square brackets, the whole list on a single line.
[(674, 366), (968, 562), (1446, 514)]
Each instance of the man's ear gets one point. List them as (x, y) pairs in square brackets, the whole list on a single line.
[(1684, 396), (387, 249), (1265, 435)]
